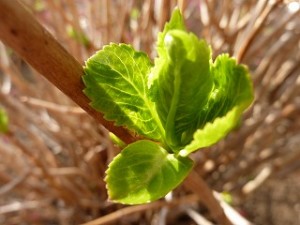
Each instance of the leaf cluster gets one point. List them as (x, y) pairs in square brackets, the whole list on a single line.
[(182, 102)]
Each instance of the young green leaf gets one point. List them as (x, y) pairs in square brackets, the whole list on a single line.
[(181, 85), (144, 172), (116, 82), (190, 91), (231, 94)]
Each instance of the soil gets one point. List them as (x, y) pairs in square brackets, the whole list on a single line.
[(277, 202)]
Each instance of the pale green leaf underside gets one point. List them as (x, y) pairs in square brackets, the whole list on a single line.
[(182, 84), (116, 83), (144, 172), (212, 132)]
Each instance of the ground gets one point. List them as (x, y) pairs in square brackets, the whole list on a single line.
[(276, 203)]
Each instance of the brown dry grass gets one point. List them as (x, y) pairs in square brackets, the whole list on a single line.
[(53, 159)]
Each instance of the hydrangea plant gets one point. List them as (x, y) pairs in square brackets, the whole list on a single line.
[(182, 102)]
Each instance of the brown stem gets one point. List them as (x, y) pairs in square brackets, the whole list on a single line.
[(255, 30), (121, 213), (22, 32), (197, 185)]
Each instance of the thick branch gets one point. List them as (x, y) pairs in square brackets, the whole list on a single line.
[(22, 32)]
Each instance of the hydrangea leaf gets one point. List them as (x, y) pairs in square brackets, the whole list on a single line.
[(144, 172), (181, 85), (231, 94), (116, 83), (190, 91)]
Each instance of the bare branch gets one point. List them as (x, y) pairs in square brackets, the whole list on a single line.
[(21, 31)]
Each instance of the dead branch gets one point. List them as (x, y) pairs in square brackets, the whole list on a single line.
[(21, 31)]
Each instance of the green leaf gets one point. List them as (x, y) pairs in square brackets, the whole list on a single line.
[(3, 121), (181, 85), (190, 91), (231, 94), (144, 172), (116, 83)]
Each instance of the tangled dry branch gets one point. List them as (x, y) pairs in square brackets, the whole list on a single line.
[(53, 158)]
